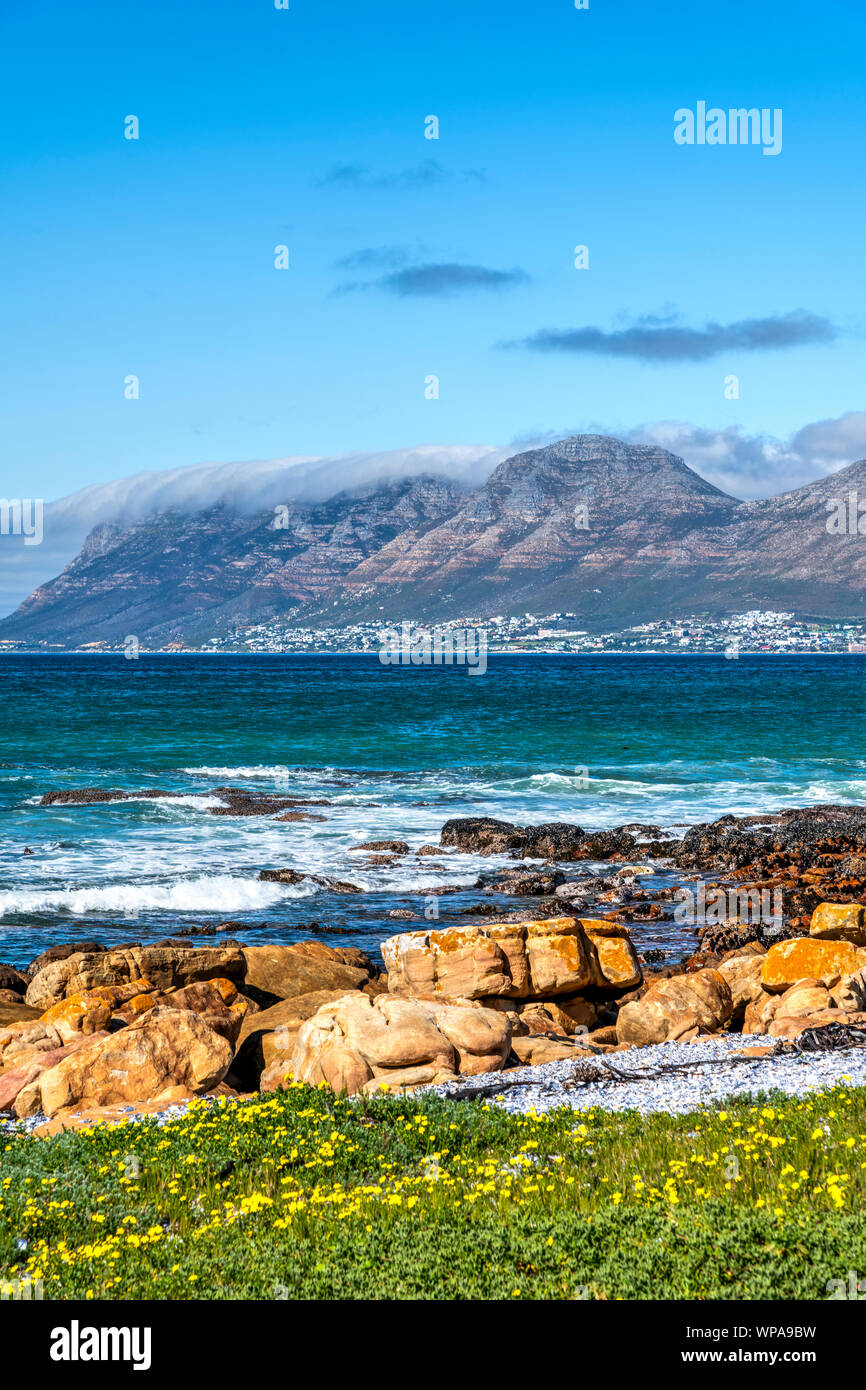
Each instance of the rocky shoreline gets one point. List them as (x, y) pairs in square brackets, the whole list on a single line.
[(778, 931)]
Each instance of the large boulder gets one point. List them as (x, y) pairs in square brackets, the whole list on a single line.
[(60, 952), (790, 1027), (512, 960), (216, 1002), (91, 1010), (613, 957), (25, 1038), (359, 1043), (743, 974), (673, 1008), (269, 1035), (164, 967), (850, 993), (810, 999), (560, 960), (15, 1079), (284, 972), (480, 835), (807, 958), (166, 1048), (839, 922)]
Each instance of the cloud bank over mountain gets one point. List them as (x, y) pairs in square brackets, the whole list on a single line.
[(742, 465)]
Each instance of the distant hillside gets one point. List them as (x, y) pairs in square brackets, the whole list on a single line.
[(615, 533)]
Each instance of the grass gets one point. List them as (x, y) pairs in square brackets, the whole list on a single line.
[(301, 1195)]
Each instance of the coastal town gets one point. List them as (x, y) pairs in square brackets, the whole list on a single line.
[(756, 631)]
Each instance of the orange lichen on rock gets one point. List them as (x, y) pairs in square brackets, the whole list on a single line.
[(806, 958)]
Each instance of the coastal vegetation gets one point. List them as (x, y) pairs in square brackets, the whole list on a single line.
[(303, 1194)]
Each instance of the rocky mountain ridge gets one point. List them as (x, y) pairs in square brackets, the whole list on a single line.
[(613, 532)]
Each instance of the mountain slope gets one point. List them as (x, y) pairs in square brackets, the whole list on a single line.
[(615, 533)]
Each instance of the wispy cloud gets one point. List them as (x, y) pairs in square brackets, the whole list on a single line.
[(438, 280), (427, 174), (374, 258), (656, 338)]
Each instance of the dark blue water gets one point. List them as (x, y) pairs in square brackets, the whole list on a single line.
[(395, 752)]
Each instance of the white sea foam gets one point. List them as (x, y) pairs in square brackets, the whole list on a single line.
[(229, 774), (165, 803), (210, 893)]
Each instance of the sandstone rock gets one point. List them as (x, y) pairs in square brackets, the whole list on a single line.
[(759, 1013), (808, 958), (743, 974), (807, 997), (751, 948), (26, 1076), (135, 1007), (407, 1078), (559, 957), (674, 1007), (217, 1003), (615, 962), (269, 1035), (542, 1016), (165, 967), (356, 1039), (90, 1011), (467, 962), (536, 1049), (514, 960), (602, 1037), (61, 952), (839, 922), (850, 994), (13, 1082), (284, 972), (25, 1036), (792, 1026), (480, 1037), (166, 1047)]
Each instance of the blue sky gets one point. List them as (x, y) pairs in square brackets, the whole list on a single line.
[(260, 127)]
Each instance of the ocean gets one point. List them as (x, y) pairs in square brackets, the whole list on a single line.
[(394, 752)]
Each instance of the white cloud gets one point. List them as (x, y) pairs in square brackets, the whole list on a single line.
[(740, 464), (248, 487), (750, 466)]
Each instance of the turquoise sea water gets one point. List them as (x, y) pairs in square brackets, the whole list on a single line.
[(395, 752)]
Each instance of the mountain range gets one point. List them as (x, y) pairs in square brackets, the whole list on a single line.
[(615, 533)]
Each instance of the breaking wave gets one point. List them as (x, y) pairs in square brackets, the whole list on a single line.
[(211, 893)]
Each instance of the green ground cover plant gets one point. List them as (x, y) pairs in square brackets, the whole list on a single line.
[(301, 1194)]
